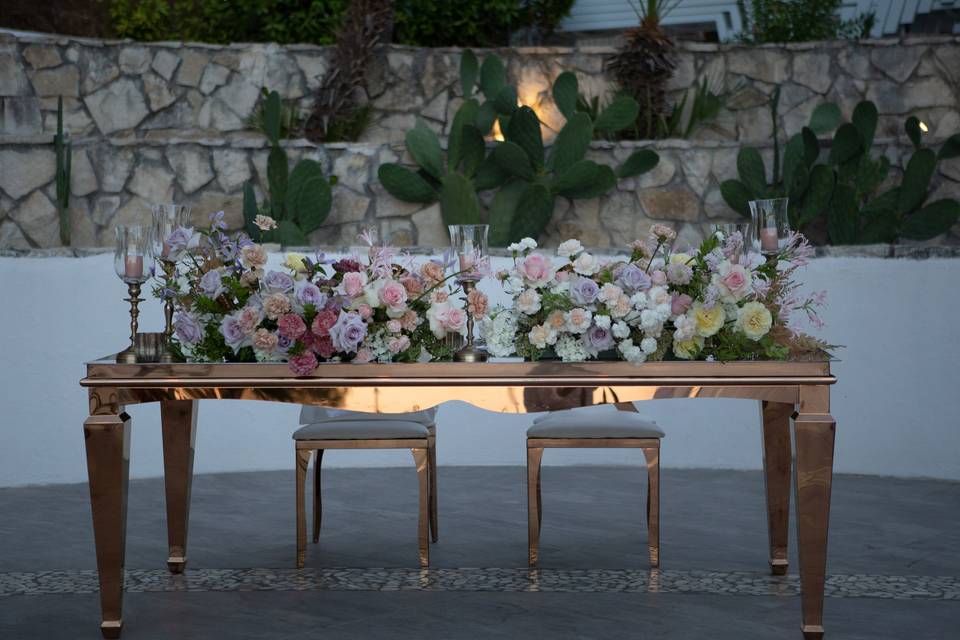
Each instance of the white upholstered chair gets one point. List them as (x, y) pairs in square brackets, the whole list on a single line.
[(324, 428), (601, 426)]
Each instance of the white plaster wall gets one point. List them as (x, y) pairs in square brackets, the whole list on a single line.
[(895, 404)]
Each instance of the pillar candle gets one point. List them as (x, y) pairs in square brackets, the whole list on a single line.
[(768, 240), (133, 267)]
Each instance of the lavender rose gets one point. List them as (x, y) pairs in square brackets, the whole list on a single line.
[(584, 291), (176, 242), (309, 293), (212, 283), (187, 328), (597, 339), (278, 281), (348, 332), (632, 279), (232, 330)]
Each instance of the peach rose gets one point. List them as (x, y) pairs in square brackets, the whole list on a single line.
[(477, 304)]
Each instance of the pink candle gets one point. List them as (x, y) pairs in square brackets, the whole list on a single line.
[(768, 240), (133, 267), (467, 261)]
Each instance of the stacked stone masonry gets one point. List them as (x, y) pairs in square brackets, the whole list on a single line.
[(167, 121)]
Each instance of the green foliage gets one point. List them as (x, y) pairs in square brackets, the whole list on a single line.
[(528, 178), (844, 189), (299, 200), (289, 119), (64, 158), (768, 21), (433, 23)]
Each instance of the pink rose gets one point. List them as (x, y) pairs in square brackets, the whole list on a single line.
[(365, 311), (363, 356), (562, 275), (536, 269), (680, 304), (393, 294), (394, 326), (396, 345), (291, 326), (735, 280), (658, 277), (303, 364), (455, 319), (353, 283)]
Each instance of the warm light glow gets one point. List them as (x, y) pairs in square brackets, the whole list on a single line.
[(923, 126), (497, 134)]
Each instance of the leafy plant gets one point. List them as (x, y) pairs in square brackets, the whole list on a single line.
[(64, 153), (299, 200), (841, 192), (336, 113), (526, 176), (767, 21), (290, 121), (643, 65)]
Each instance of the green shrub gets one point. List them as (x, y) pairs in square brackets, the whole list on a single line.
[(431, 23), (799, 21)]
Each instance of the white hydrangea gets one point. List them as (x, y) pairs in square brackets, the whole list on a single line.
[(377, 343), (631, 352), (570, 349), (621, 330), (602, 321), (561, 288), (639, 300), (648, 345), (649, 319), (686, 328), (499, 330)]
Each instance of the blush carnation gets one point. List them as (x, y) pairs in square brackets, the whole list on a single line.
[(324, 319), (303, 364), (291, 326)]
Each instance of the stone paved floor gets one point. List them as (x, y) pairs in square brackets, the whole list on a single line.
[(894, 569)]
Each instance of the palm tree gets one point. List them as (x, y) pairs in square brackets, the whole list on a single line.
[(644, 63)]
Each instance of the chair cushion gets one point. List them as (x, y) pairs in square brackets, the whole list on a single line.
[(594, 424), (589, 411), (362, 430), (314, 415)]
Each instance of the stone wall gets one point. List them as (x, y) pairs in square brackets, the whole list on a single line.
[(158, 121), (115, 180)]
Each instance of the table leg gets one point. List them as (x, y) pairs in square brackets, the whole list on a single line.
[(777, 454), (814, 432), (179, 419), (107, 440)]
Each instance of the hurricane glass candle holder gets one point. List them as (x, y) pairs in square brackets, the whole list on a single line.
[(771, 224), (469, 242), (169, 222), (133, 263)]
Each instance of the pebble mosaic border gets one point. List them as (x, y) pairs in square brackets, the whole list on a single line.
[(742, 583)]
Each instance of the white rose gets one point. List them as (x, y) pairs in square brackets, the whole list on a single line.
[(649, 345), (371, 293), (621, 330), (569, 248), (602, 321), (586, 264)]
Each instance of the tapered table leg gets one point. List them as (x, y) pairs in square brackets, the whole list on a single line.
[(179, 418), (107, 440), (777, 457), (814, 432)]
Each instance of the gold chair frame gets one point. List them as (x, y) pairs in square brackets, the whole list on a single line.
[(535, 447), (424, 456)]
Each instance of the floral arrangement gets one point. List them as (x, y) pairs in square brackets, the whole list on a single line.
[(720, 302), (381, 307)]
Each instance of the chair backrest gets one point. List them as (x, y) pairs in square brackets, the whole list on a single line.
[(311, 414)]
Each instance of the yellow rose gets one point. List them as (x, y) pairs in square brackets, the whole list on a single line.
[(688, 349), (709, 321), (680, 257), (754, 320), (295, 261)]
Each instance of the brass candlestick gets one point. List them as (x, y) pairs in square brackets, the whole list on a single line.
[(166, 353), (129, 355), (469, 352)]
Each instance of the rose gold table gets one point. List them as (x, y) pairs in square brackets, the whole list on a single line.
[(798, 390)]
